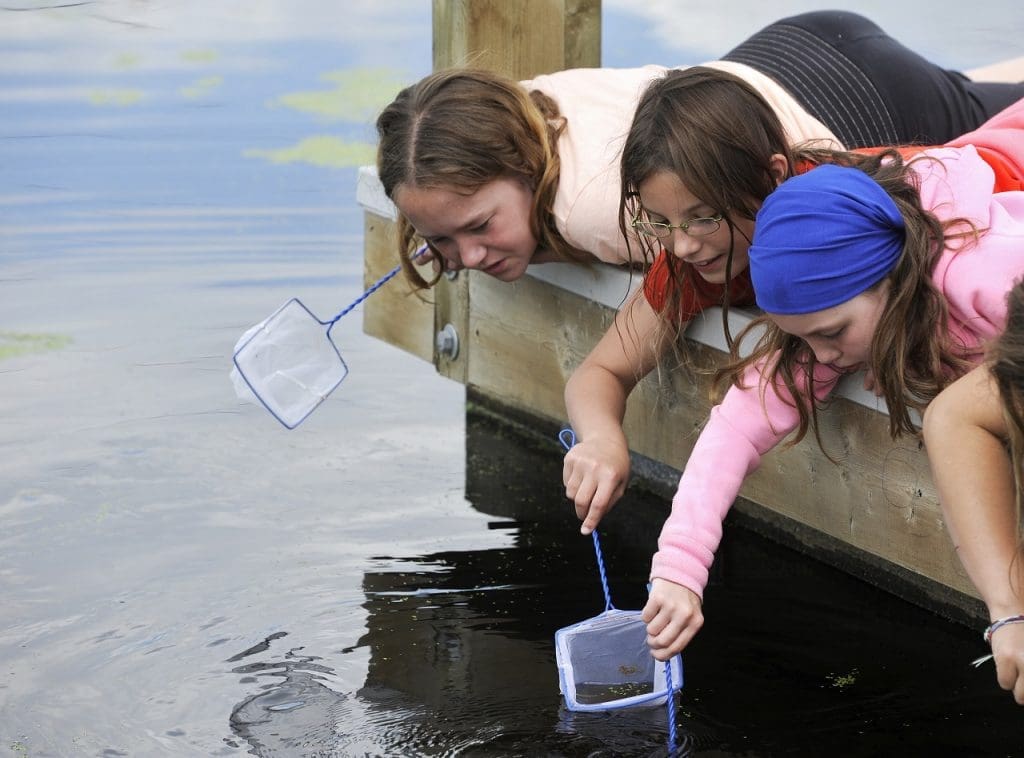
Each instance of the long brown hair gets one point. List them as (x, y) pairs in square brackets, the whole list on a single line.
[(718, 135), (1006, 362), (462, 128), (913, 354)]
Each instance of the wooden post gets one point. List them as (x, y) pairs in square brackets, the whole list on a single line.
[(521, 38)]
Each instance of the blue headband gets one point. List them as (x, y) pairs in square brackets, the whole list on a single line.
[(823, 238)]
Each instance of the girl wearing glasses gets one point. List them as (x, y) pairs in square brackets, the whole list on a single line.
[(974, 433), (494, 174)]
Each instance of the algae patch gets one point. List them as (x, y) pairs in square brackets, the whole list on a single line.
[(321, 150), (116, 97), (13, 344), (202, 87), (200, 56), (841, 681), (127, 61), (357, 96)]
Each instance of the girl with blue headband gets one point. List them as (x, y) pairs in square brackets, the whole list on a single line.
[(974, 434), (898, 269)]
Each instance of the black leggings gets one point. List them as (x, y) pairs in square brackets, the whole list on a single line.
[(865, 86)]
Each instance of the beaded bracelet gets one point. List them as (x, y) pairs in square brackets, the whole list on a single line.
[(987, 635)]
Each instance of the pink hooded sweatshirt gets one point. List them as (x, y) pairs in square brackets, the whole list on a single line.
[(974, 277)]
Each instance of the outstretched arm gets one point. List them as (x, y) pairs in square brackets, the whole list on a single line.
[(596, 469), (739, 431), (964, 431)]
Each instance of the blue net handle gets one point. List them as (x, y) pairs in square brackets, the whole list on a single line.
[(370, 290), (670, 704), (568, 438)]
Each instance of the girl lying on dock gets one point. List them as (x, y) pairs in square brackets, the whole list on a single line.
[(701, 141), (974, 433), (495, 174)]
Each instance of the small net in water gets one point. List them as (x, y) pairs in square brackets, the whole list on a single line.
[(604, 663)]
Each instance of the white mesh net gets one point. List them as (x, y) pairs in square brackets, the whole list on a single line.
[(290, 363)]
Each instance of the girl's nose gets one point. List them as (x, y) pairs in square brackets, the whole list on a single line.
[(824, 353), (472, 254), (683, 245)]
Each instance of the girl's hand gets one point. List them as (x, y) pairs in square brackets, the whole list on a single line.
[(595, 474), (1008, 653), (673, 615)]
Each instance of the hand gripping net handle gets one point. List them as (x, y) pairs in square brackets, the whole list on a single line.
[(568, 438)]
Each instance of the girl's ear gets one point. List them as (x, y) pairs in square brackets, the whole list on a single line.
[(779, 168)]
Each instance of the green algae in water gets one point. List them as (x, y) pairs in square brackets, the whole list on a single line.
[(357, 95), (591, 693), (202, 88), (120, 98), (13, 344), (200, 56), (322, 150), (845, 680)]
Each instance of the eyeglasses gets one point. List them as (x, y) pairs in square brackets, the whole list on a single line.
[(695, 227)]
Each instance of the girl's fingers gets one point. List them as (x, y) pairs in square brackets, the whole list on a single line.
[(584, 499)]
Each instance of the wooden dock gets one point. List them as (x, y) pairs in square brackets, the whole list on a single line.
[(874, 513)]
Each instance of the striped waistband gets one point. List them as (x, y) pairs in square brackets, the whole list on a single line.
[(830, 86)]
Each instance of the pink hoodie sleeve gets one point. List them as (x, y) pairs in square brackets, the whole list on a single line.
[(974, 273), (739, 431)]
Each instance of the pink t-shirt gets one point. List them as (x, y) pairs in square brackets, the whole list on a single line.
[(598, 105), (973, 277)]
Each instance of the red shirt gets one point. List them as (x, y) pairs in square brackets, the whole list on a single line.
[(697, 293)]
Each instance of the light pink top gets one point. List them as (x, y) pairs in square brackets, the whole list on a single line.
[(598, 105), (974, 279)]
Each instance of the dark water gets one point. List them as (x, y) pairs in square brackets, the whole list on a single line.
[(796, 658), (179, 575)]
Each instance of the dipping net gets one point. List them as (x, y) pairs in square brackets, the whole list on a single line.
[(604, 662), (289, 362)]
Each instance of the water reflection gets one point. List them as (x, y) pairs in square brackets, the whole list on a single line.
[(461, 659), (459, 664), (295, 714)]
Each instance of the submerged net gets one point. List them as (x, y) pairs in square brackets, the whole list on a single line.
[(604, 663)]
